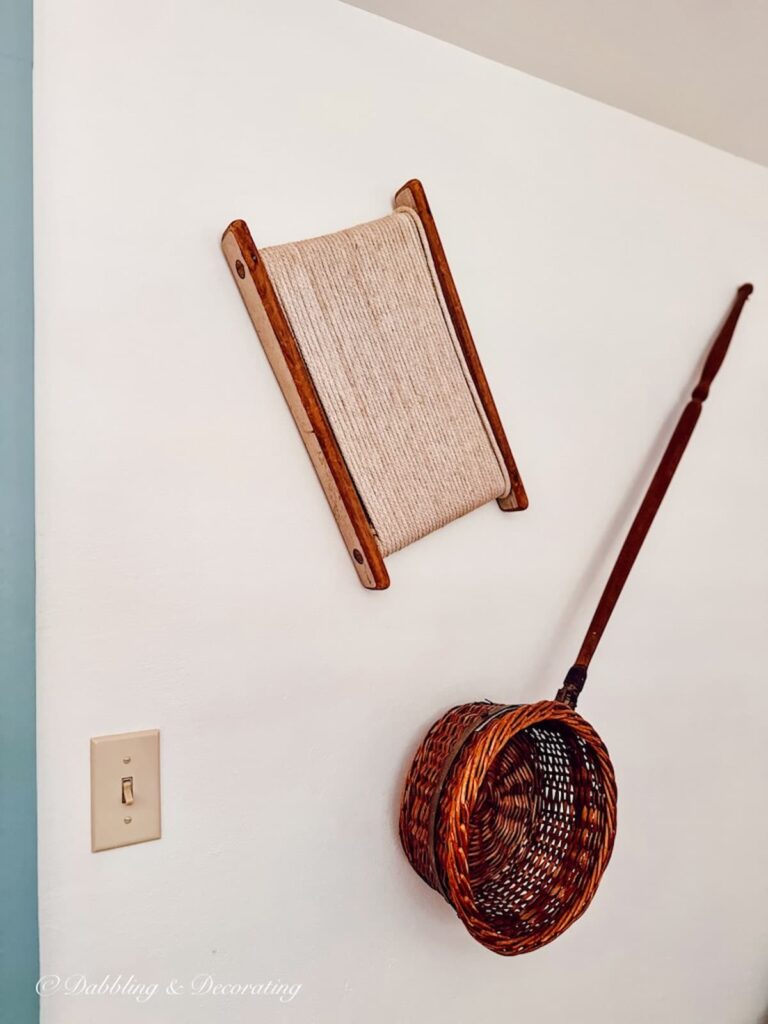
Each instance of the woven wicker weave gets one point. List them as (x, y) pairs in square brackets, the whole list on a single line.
[(509, 811)]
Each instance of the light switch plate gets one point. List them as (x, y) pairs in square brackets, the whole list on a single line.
[(125, 767)]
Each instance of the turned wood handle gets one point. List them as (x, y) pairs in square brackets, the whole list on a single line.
[(577, 674)]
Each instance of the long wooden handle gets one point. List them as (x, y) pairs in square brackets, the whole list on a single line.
[(577, 674)]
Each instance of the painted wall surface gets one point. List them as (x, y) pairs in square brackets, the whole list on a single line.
[(18, 865), (191, 577)]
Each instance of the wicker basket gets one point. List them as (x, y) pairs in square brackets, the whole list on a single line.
[(510, 813)]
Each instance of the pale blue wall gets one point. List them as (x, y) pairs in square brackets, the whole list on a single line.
[(18, 852)]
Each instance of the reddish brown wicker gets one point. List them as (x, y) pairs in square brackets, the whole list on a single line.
[(509, 811)]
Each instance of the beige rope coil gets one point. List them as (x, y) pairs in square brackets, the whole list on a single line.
[(370, 320)]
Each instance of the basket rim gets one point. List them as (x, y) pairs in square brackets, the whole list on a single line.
[(484, 744)]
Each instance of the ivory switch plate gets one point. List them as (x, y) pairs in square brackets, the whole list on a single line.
[(125, 789)]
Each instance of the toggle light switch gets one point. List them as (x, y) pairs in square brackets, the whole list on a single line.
[(125, 789), (128, 791)]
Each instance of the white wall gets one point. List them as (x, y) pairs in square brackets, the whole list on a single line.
[(190, 573)]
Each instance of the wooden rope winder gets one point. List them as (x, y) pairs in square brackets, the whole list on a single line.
[(369, 343)]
